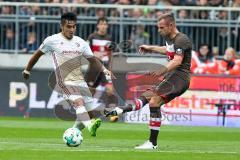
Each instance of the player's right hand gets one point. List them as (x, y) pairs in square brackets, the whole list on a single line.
[(143, 49), (26, 74)]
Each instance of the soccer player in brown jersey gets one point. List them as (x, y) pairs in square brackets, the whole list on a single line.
[(176, 75), (100, 44)]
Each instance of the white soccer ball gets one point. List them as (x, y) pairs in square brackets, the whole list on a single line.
[(72, 137)]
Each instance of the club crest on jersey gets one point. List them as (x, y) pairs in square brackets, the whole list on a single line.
[(170, 51), (179, 51), (170, 47)]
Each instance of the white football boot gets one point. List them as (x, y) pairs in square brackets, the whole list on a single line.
[(147, 145)]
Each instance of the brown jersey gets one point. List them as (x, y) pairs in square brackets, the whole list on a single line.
[(180, 45), (100, 45)]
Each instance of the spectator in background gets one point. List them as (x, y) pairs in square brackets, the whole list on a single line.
[(9, 40), (7, 10), (216, 3), (223, 15), (54, 10), (137, 13), (139, 36), (202, 3), (158, 13), (203, 61), (31, 44), (164, 3), (229, 65), (175, 2), (190, 2), (24, 10), (114, 27), (223, 39), (100, 13), (200, 14), (123, 2), (82, 11), (150, 13), (203, 14), (141, 2), (65, 9), (182, 14), (236, 3), (152, 2)]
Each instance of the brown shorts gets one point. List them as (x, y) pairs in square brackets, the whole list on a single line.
[(171, 86)]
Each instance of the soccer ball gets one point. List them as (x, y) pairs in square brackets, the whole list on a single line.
[(72, 137)]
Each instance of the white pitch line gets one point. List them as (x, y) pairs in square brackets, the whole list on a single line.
[(54, 144), (98, 149), (122, 150)]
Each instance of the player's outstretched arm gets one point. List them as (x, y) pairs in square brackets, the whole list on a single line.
[(152, 49), (26, 73)]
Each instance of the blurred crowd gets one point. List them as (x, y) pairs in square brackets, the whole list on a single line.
[(204, 61), (235, 3), (183, 14)]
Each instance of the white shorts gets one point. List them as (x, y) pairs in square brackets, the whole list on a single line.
[(74, 90)]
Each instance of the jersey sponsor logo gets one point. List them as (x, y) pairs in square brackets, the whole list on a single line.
[(71, 52)]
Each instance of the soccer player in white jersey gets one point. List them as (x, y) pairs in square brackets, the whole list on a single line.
[(66, 48)]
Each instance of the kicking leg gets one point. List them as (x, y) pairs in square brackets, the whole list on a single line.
[(138, 104), (83, 119)]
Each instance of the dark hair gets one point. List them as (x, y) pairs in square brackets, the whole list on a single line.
[(69, 16), (102, 19), (167, 16), (209, 56)]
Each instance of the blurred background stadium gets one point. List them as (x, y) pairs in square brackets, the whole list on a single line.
[(212, 25), (212, 100)]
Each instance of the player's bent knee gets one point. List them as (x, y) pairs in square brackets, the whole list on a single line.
[(78, 102), (148, 94), (156, 101)]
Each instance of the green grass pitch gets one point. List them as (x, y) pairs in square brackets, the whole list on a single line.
[(41, 139)]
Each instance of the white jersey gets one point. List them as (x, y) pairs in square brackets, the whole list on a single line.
[(66, 55)]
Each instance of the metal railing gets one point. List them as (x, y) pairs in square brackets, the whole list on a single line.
[(23, 26)]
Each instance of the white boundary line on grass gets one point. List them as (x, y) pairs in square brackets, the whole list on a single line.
[(99, 149), (122, 150)]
